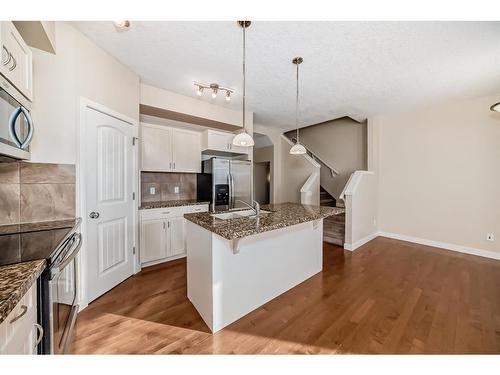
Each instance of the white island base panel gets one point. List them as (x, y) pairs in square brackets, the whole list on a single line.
[(224, 284)]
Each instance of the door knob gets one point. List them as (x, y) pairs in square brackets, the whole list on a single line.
[(94, 215)]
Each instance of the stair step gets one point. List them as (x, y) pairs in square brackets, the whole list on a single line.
[(332, 240), (335, 219)]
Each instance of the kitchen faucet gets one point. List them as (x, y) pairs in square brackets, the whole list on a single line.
[(255, 207)]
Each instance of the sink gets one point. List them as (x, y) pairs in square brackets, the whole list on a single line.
[(239, 214)]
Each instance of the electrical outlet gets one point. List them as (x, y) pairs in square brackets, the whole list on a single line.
[(176, 189), (490, 237), (152, 190)]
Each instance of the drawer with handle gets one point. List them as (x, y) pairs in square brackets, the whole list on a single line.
[(19, 332)]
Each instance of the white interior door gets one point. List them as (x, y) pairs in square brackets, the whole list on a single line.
[(109, 165)]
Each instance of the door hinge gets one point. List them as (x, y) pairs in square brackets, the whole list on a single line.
[(133, 196), (133, 250)]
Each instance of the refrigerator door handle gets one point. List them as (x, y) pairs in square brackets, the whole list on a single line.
[(231, 190)]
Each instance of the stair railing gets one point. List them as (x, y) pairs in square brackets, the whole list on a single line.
[(333, 172)]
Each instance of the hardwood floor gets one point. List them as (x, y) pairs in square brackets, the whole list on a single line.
[(387, 297)]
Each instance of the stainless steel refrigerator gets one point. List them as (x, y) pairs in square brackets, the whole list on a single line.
[(225, 183)]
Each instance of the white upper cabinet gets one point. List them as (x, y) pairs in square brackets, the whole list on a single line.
[(166, 149), (222, 142), (156, 148), (17, 59), (186, 151)]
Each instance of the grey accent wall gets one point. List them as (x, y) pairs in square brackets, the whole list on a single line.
[(342, 143), (31, 192)]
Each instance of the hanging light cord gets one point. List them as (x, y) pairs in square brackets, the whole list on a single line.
[(297, 106), (244, 74)]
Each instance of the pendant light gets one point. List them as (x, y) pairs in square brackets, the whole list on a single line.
[(297, 148), (495, 107), (243, 139)]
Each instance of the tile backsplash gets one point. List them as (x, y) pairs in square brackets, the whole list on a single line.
[(32, 192), (164, 184)]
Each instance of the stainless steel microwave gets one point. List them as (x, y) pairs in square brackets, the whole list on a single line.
[(16, 126)]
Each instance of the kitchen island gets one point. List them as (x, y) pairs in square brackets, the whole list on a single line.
[(237, 262)]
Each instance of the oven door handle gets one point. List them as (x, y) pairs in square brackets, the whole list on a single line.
[(78, 239), (23, 144)]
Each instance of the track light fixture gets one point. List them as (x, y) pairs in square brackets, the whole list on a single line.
[(495, 107), (214, 88)]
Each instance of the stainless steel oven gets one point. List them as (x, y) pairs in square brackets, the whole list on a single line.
[(16, 125), (58, 296)]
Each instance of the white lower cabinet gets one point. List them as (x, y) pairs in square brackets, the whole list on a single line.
[(19, 332), (153, 240), (177, 235), (163, 233)]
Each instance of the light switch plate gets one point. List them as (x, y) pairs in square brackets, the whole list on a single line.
[(152, 190), (176, 189)]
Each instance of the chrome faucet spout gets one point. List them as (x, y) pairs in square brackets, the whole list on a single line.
[(255, 207)]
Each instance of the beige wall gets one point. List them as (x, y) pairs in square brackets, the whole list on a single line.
[(79, 68), (439, 173), (343, 144), (276, 165), (264, 154), (295, 170), (168, 100)]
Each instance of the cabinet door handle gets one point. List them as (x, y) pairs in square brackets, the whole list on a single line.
[(174, 164), (24, 308), (168, 224), (9, 56), (14, 63), (170, 165), (39, 336), (163, 225)]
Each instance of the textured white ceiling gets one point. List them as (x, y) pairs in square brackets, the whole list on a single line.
[(359, 69)]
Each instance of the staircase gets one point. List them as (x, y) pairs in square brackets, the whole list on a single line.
[(333, 226), (325, 199)]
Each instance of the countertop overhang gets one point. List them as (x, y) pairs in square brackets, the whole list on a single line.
[(15, 281), (282, 215), (167, 204)]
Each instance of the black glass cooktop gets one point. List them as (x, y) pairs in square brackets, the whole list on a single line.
[(25, 242)]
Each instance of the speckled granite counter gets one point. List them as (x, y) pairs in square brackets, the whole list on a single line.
[(164, 204), (282, 215), (15, 281)]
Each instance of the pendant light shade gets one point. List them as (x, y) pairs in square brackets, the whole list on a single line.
[(495, 107), (297, 148), (243, 139)]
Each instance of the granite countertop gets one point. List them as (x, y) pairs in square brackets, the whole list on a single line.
[(37, 226), (282, 215), (178, 203), (15, 281)]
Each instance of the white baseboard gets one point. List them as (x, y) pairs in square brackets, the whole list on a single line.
[(442, 245), (361, 242)]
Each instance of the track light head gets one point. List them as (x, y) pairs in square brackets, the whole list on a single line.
[(228, 96)]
